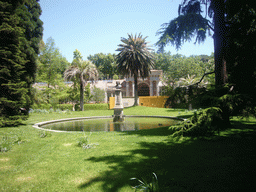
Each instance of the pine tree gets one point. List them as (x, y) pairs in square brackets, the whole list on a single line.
[(18, 52)]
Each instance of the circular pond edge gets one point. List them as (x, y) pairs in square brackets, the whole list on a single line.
[(38, 125)]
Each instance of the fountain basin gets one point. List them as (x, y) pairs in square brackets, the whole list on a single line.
[(105, 123)]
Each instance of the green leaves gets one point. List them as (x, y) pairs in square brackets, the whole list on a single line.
[(202, 123), (81, 72), (105, 63), (189, 24), (134, 56), (147, 186)]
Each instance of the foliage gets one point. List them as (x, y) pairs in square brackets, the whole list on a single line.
[(202, 123), (178, 66), (87, 93), (99, 106), (190, 80), (232, 103), (51, 64), (51, 96), (47, 108), (181, 97), (242, 51), (115, 77), (43, 134), (7, 142), (98, 95), (49, 111), (18, 51), (77, 54), (182, 29), (81, 72), (147, 187), (135, 59), (233, 23), (105, 63), (12, 121), (84, 142)]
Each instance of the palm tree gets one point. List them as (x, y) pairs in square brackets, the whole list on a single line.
[(134, 59), (81, 71)]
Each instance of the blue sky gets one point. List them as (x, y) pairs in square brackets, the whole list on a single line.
[(96, 26)]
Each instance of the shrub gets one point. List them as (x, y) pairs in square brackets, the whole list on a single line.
[(203, 123), (12, 121), (98, 95), (99, 106), (46, 108), (64, 107)]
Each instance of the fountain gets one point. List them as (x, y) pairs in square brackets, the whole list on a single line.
[(106, 123), (118, 109)]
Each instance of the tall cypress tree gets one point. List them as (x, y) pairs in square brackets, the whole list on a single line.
[(18, 52), (29, 13)]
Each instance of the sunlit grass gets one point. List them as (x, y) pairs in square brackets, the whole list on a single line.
[(56, 163)]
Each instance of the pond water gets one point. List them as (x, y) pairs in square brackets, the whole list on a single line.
[(107, 124)]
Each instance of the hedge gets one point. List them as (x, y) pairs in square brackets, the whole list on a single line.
[(63, 107)]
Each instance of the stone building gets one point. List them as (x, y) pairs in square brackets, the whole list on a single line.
[(150, 86)]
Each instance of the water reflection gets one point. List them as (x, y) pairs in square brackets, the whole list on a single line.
[(107, 124)]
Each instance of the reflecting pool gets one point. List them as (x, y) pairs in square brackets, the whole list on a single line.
[(107, 124)]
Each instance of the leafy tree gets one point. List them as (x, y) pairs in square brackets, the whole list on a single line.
[(190, 80), (73, 95), (191, 22), (98, 95), (233, 24), (134, 59), (77, 54), (105, 63), (241, 52), (51, 66), (18, 53), (178, 66), (81, 72), (87, 93)]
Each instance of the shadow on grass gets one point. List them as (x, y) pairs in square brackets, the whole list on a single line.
[(162, 131), (220, 163)]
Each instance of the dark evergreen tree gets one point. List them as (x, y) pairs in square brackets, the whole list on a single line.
[(29, 13), (234, 27), (18, 52)]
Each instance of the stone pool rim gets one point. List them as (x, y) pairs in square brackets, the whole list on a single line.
[(38, 125)]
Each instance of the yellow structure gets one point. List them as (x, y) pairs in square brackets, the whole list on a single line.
[(147, 101), (153, 101), (111, 102)]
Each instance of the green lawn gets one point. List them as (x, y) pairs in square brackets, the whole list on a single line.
[(55, 163)]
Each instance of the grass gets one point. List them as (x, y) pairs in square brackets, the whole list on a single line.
[(54, 162)]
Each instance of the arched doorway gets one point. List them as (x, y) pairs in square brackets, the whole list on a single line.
[(143, 89)]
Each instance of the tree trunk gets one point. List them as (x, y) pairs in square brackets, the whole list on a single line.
[(81, 95), (135, 90), (219, 43)]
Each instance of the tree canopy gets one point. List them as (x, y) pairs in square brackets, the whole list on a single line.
[(81, 72), (105, 63), (20, 32), (135, 59), (233, 26)]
